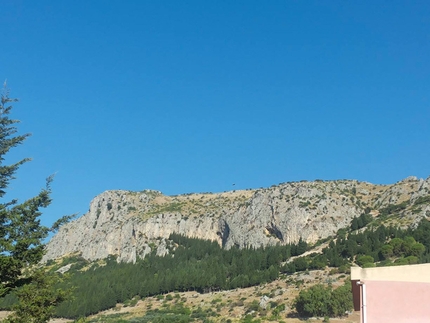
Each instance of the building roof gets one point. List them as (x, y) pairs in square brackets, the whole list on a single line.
[(410, 273)]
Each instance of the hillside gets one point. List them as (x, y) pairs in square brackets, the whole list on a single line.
[(130, 225), (198, 281), (233, 305), (198, 264)]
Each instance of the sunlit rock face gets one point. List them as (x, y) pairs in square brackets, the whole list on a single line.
[(131, 224)]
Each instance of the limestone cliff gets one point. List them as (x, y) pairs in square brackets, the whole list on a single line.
[(130, 224)]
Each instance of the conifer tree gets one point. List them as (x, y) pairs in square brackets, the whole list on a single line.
[(21, 233)]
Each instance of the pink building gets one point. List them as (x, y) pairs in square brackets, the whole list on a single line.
[(396, 294)]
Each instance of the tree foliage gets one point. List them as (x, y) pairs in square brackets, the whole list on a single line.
[(192, 264), (37, 299), (360, 222), (320, 300), (21, 233)]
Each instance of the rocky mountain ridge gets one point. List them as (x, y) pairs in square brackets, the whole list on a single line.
[(131, 224)]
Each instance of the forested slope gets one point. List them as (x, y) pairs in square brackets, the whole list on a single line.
[(392, 228), (203, 266)]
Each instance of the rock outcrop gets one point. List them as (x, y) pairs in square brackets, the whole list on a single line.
[(131, 224)]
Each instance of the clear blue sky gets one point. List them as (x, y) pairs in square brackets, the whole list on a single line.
[(193, 96)]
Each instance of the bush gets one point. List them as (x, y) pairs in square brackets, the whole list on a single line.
[(169, 297), (365, 259), (278, 309), (313, 301), (341, 300), (322, 301)]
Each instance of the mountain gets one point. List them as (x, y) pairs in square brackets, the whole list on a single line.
[(130, 224)]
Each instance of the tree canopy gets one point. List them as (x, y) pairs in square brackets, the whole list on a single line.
[(21, 233)]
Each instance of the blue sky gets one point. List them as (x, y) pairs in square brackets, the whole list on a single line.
[(193, 96)]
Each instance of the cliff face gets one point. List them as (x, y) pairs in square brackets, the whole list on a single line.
[(130, 224)]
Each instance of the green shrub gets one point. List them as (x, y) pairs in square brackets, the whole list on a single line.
[(365, 259), (169, 297), (320, 300)]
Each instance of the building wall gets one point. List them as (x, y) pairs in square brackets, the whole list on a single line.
[(356, 294), (397, 302)]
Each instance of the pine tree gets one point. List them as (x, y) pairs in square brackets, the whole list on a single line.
[(21, 233), (37, 299)]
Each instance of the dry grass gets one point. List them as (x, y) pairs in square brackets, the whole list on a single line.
[(233, 304)]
